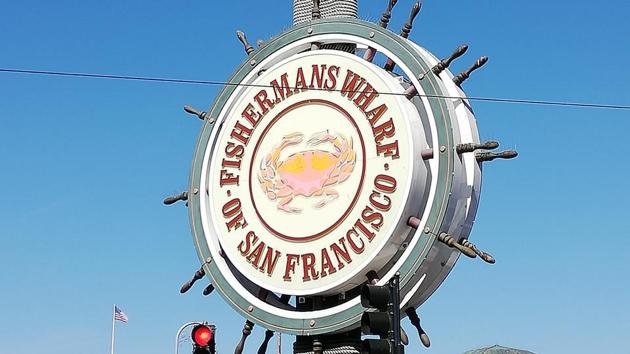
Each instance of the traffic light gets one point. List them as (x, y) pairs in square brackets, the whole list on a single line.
[(203, 339), (382, 318)]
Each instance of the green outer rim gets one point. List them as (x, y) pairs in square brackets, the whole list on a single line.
[(349, 317)]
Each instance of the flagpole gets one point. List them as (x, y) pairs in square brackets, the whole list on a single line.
[(113, 326), (279, 343)]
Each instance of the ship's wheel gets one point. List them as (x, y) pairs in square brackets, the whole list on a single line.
[(339, 153)]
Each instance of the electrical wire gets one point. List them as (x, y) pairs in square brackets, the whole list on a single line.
[(223, 83)]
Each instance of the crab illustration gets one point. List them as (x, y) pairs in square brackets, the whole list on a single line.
[(309, 173)]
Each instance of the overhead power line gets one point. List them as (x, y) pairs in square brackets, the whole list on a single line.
[(223, 83)]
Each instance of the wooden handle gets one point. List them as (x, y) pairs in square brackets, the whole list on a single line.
[(415, 10), (387, 15), (265, 343), (176, 198), (463, 76), (187, 285), (247, 330), (483, 255), (241, 37), (470, 147), (489, 156), (415, 321), (446, 62), (208, 290), (451, 242), (199, 114)]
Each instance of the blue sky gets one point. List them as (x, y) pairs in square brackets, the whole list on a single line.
[(85, 164)]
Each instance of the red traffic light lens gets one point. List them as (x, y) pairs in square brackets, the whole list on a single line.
[(202, 335)]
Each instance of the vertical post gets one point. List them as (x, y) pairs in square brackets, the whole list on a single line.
[(279, 342), (113, 327), (394, 286)]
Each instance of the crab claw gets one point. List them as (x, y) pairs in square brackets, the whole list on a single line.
[(293, 138), (321, 137), (290, 209)]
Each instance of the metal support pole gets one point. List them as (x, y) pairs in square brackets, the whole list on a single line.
[(279, 343), (394, 288)]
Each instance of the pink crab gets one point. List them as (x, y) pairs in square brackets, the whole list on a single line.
[(307, 173)]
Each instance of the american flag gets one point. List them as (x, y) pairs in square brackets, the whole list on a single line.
[(119, 315)]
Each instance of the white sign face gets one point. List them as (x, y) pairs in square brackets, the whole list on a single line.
[(310, 173)]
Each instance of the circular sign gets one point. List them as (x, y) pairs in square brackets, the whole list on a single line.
[(311, 172), (315, 169)]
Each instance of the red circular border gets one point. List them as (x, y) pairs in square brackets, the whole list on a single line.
[(356, 196)]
